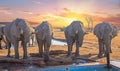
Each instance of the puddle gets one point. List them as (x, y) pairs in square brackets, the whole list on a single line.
[(56, 42)]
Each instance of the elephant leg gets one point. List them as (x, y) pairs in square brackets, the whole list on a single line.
[(16, 49), (5, 41), (46, 51), (40, 45), (70, 44), (110, 47), (0, 44), (101, 48), (9, 46), (24, 44), (77, 48)]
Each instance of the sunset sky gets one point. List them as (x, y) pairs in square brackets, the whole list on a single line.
[(60, 12)]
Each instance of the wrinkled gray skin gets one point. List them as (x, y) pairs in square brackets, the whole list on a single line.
[(74, 33), (105, 33), (18, 30), (44, 36)]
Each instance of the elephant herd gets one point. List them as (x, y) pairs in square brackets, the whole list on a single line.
[(20, 30)]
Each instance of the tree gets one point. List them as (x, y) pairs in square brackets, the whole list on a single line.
[(90, 23)]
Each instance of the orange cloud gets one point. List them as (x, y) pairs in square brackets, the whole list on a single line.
[(113, 19), (66, 16), (60, 20), (5, 10), (27, 12)]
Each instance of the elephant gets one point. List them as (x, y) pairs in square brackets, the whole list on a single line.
[(15, 31), (74, 33), (43, 36), (105, 32)]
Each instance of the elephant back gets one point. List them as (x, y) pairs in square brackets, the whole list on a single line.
[(15, 29), (75, 27), (43, 28)]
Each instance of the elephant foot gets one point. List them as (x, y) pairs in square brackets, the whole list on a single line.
[(100, 56), (77, 55), (8, 56), (69, 55), (16, 57), (41, 55), (25, 57), (46, 58)]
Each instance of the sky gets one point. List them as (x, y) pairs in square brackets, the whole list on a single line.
[(61, 13)]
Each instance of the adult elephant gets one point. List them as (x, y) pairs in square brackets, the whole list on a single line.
[(44, 36), (105, 32), (74, 33), (18, 30)]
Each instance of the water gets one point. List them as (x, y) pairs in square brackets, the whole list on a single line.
[(56, 42), (16, 67), (81, 68), (25, 67)]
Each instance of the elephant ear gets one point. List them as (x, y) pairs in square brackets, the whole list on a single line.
[(96, 30), (114, 31), (107, 29)]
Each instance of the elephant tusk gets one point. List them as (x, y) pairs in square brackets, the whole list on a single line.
[(21, 31), (76, 32)]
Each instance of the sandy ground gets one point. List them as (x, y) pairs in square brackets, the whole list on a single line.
[(89, 48)]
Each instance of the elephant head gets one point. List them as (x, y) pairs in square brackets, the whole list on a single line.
[(74, 33)]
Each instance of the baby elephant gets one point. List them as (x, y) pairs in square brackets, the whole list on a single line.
[(105, 33), (44, 36), (74, 33)]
